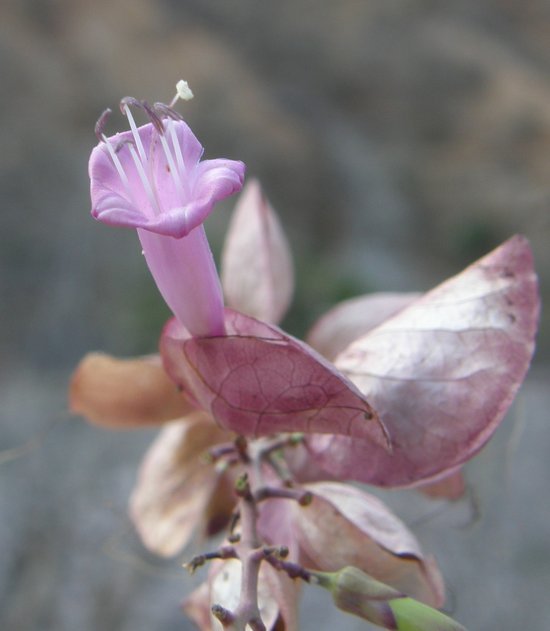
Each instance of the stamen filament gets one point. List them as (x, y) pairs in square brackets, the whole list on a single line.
[(144, 179), (173, 170), (116, 162), (177, 148), (135, 133)]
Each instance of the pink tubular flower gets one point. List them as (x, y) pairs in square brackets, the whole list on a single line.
[(151, 178)]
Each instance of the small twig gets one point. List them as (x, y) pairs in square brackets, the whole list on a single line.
[(220, 451), (304, 498), (280, 467), (280, 552), (223, 615), (267, 447), (293, 570), (241, 446), (226, 552)]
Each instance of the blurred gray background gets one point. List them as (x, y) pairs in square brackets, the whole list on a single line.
[(399, 141)]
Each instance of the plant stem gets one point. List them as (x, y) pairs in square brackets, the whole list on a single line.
[(250, 553)]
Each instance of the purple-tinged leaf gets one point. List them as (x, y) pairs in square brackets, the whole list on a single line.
[(441, 373), (256, 271), (351, 319), (257, 380), (346, 526)]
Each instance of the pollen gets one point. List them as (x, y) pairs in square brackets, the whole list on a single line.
[(183, 91)]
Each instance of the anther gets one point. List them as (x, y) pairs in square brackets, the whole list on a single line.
[(153, 117), (128, 101), (166, 111), (122, 143), (125, 109), (99, 128)]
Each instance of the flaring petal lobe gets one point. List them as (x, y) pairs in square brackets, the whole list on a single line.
[(180, 193)]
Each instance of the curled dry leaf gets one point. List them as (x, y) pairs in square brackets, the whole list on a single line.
[(257, 380), (442, 372), (346, 526), (124, 393), (256, 270), (351, 319), (176, 486)]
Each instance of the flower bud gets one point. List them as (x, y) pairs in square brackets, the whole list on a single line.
[(358, 593)]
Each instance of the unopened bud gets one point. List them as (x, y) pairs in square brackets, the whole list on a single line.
[(358, 593)]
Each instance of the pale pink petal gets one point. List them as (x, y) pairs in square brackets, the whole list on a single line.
[(351, 319), (124, 393), (176, 485), (346, 526), (108, 190), (179, 201), (215, 180), (257, 274), (114, 210), (257, 380), (441, 373)]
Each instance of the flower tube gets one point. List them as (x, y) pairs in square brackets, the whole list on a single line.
[(152, 178)]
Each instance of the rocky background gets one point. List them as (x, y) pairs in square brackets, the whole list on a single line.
[(399, 141)]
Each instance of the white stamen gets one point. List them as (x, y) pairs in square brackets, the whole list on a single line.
[(177, 147), (116, 162), (144, 179), (172, 165), (135, 133)]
